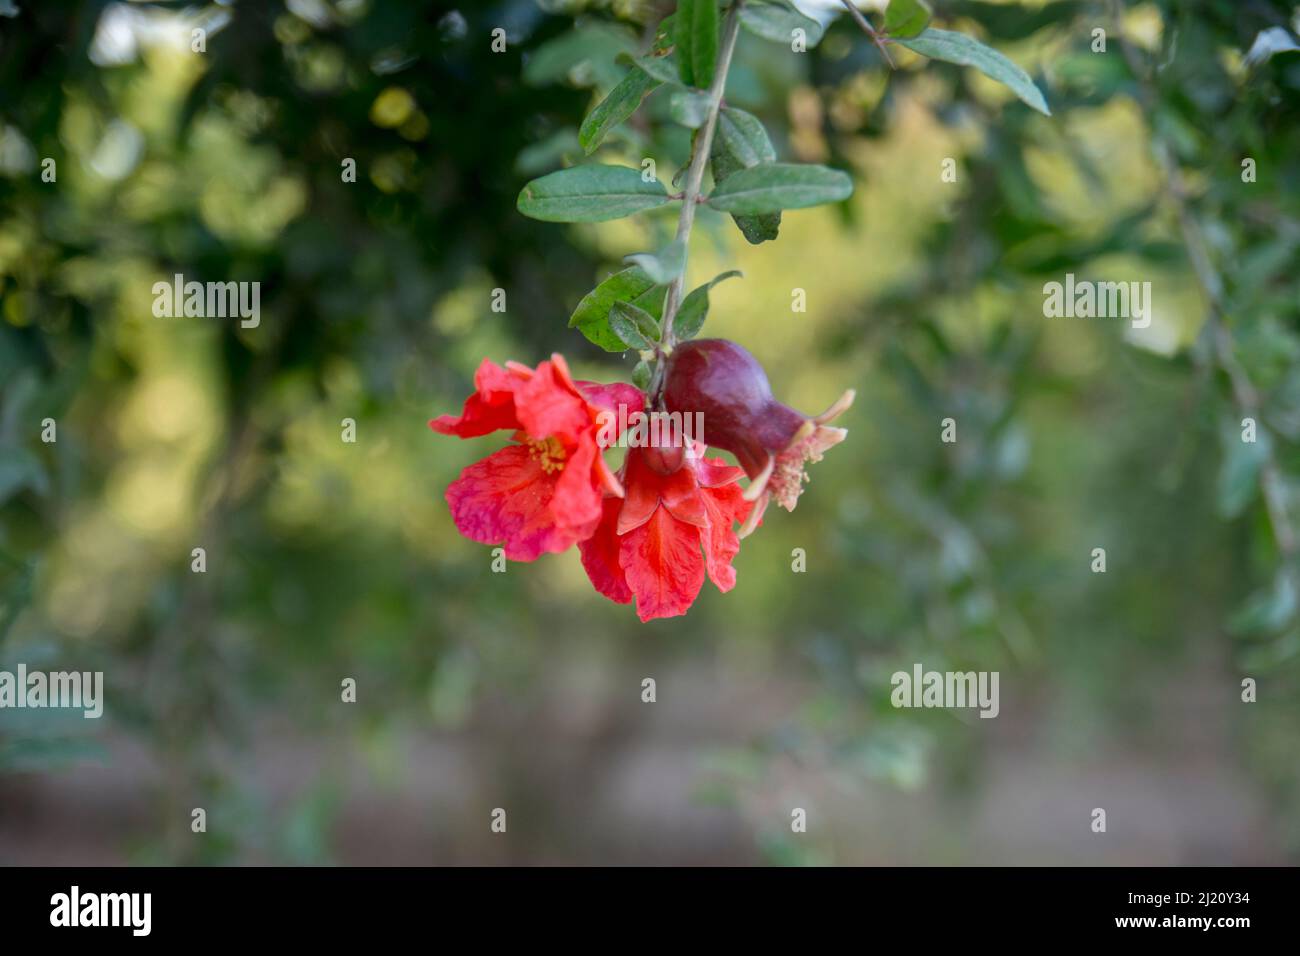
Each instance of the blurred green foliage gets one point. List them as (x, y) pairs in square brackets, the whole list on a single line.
[(328, 560)]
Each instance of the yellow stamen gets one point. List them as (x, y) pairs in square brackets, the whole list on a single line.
[(548, 452)]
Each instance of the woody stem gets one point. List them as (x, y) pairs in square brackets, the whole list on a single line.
[(699, 159), (871, 31)]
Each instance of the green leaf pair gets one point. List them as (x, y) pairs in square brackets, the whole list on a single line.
[(625, 310), (633, 286), (596, 193)]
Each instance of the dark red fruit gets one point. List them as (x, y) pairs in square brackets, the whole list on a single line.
[(724, 382), (770, 440)]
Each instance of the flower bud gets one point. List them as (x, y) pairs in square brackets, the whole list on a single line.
[(667, 455)]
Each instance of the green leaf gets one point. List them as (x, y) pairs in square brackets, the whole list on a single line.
[(741, 137), (965, 51), (591, 317), (1268, 43), (696, 36), (756, 229), (652, 300), (663, 266), (584, 56), (771, 187), (1266, 611), (739, 142), (690, 108), (635, 326), (548, 154), (906, 18), (642, 374), (621, 103), (776, 20), (1239, 473), (662, 68), (592, 193), (695, 308)]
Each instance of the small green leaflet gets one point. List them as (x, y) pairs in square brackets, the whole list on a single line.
[(1239, 472), (642, 374), (695, 308), (696, 36), (621, 103), (906, 18), (591, 193), (634, 325), (662, 68), (548, 154), (690, 108), (776, 20), (1268, 43), (741, 141), (965, 51), (663, 266), (741, 137), (584, 55), (771, 187), (1268, 610), (591, 317)]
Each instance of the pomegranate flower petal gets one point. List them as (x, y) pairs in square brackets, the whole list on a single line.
[(663, 565), (507, 499)]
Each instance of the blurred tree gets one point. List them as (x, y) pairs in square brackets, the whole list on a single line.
[(328, 560)]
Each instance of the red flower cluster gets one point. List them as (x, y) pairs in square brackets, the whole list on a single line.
[(656, 529)]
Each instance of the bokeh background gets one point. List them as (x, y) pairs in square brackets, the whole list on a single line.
[(522, 690)]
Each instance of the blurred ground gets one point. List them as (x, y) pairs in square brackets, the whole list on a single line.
[(615, 781)]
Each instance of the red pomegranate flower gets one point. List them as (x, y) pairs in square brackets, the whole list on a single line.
[(673, 527), (544, 493)]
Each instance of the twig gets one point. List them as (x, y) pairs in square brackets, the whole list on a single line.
[(700, 158), (876, 36)]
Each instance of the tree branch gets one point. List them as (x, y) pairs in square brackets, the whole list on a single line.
[(1222, 346), (699, 159), (869, 30)]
